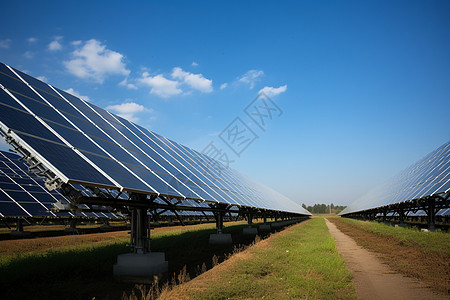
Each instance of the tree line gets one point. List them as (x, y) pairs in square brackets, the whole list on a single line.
[(324, 209)]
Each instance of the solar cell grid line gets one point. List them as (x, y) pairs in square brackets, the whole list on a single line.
[(195, 185), (231, 191), (173, 168), (216, 188), (24, 180), (10, 194), (37, 135), (84, 144), (221, 186), (171, 154), (426, 177), (211, 170), (187, 192), (70, 134), (226, 186), (111, 127)]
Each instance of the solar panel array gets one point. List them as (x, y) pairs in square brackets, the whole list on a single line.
[(23, 194), (82, 143), (427, 177)]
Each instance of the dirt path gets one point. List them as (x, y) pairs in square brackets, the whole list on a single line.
[(372, 278)]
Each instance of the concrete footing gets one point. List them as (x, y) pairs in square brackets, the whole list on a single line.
[(20, 233), (106, 227), (250, 231), (275, 226), (264, 228), (71, 230), (140, 265), (220, 239)]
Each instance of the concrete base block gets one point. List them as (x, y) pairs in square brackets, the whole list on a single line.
[(250, 231), (220, 239), (275, 226), (19, 233), (106, 227), (264, 228), (140, 265)]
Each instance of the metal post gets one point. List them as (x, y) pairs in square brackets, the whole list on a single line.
[(431, 216)]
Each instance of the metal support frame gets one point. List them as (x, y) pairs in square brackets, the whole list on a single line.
[(430, 204)]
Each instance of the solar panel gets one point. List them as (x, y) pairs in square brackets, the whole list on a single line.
[(429, 176), (84, 144), (23, 194)]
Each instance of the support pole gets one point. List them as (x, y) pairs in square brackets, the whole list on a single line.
[(250, 231), (220, 238), (431, 215), (141, 263)]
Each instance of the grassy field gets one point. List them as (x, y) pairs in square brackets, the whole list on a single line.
[(426, 241), (300, 262), (80, 266), (422, 255)]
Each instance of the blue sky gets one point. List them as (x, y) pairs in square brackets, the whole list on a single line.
[(363, 87)]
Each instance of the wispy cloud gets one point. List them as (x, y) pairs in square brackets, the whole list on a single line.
[(55, 45), (32, 40), (5, 44), (160, 85), (128, 85), (128, 110), (92, 60), (28, 54), (251, 77), (42, 78), (223, 86), (271, 91), (194, 81), (75, 93), (194, 64)]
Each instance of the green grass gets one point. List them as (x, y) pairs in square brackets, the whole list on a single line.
[(301, 263), (85, 271), (427, 241)]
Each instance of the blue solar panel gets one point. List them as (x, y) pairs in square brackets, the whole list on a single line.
[(24, 194), (108, 151), (427, 177)]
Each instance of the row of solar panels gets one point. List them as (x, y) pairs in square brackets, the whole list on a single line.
[(24, 194), (84, 144), (427, 177)]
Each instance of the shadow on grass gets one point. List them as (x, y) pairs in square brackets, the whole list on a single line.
[(86, 272)]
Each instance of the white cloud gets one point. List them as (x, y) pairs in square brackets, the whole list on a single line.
[(5, 44), (223, 86), (271, 91), (42, 78), (128, 110), (32, 40), (195, 81), (128, 85), (55, 45), (76, 43), (93, 61), (251, 77), (160, 85), (29, 54), (76, 94), (194, 64)]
